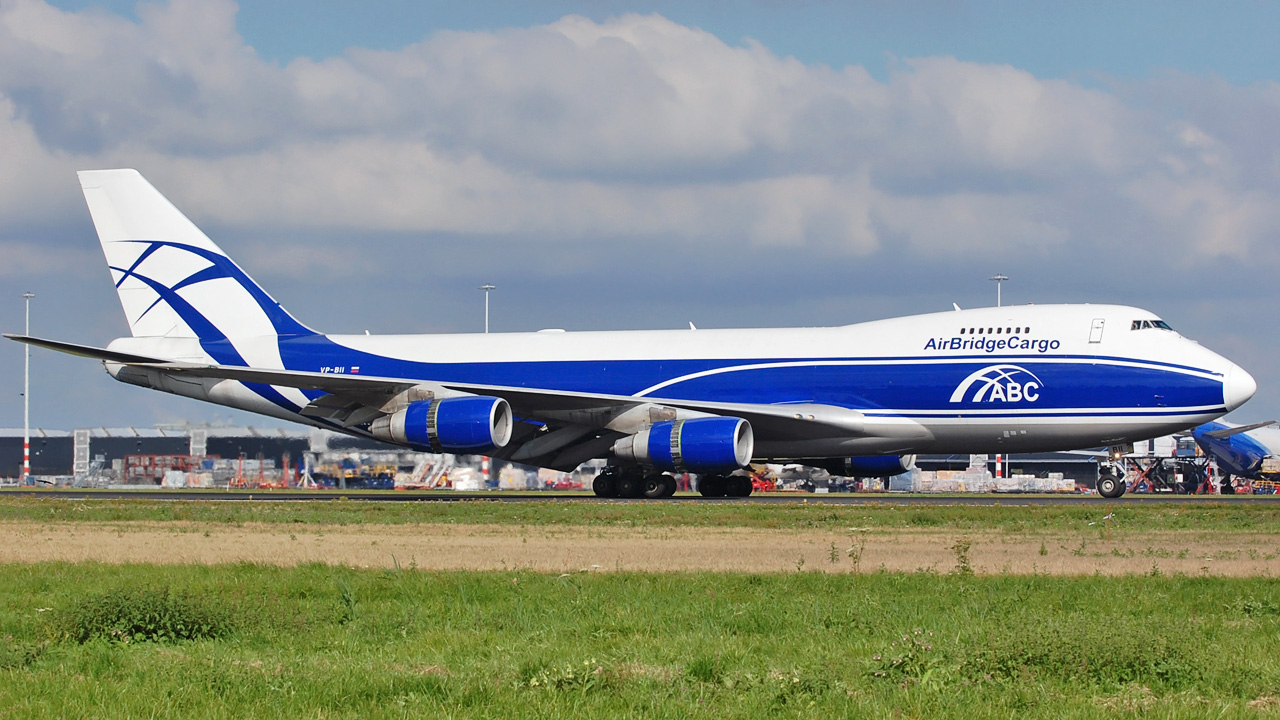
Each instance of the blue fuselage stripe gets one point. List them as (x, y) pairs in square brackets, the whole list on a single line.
[(1056, 385)]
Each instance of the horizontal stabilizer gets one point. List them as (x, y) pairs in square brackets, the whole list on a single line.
[(84, 350)]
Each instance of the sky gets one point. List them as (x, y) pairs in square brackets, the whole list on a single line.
[(626, 165)]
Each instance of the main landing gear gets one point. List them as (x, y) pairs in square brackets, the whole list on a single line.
[(635, 482), (724, 486)]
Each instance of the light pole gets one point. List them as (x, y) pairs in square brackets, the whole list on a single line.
[(26, 395), (998, 278), (486, 288)]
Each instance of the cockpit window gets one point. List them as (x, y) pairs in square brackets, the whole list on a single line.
[(1150, 324)]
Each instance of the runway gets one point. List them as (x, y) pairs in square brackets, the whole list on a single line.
[(211, 495)]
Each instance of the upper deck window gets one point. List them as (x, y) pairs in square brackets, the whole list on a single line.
[(1150, 324)]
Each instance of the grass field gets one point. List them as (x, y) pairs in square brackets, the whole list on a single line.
[(89, 639), (1206, 516), (323, 641)]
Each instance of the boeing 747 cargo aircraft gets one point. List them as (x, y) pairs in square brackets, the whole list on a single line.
[(855, 399)]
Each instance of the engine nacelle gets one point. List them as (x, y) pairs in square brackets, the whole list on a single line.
[(471, 423), (871, 466), (698, 445)]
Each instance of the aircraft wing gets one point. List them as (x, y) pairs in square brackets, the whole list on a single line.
[(530, 403), (561, 429), (1228, 432)]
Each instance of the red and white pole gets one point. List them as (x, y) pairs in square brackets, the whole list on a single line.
[(999, 467), (26, 397)]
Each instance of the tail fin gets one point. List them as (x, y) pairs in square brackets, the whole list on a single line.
[(173, 281)]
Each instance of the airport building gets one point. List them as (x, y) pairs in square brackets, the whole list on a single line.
[(223, 456), (63, 453), (218, 456)]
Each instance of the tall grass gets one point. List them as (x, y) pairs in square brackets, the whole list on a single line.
[(324, 641)]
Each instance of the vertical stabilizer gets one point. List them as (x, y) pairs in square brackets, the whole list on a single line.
[(173, 281)]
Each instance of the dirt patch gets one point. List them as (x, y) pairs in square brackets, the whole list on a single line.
[(570, 549)]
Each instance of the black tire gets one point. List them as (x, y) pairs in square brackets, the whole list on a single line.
[(630, 485), (737, 486), (654, 484), (606, 484), (1110, 486), (711, 486), (668, 486)]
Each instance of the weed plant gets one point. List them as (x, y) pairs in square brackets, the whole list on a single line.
[(334, 642), (139, 615)]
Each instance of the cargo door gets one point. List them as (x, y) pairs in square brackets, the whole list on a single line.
[(1095, 332)]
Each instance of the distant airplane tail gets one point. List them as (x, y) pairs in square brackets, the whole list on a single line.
[(173, 281)]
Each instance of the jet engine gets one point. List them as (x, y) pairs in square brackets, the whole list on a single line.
[(698, 445), (871, 466), (469, 423)]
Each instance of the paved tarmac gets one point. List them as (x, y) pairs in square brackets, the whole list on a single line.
[(518, 496)]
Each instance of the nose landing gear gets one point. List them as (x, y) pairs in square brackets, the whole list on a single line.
[(1110, 486)]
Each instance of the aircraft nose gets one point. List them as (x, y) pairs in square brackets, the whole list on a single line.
[(1237, 387)]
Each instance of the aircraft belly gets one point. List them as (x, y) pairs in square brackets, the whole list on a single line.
[(833, 448), (1039, 434)]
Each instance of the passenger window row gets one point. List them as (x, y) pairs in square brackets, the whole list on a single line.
[(999, 331)]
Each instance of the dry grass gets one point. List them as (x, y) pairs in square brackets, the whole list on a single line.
[(570, 549)]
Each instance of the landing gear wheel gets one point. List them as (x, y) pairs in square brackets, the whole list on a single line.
[(668, 486), (1110, 486), (654, 485), (631, 484), (606, 483), (741, 485), (712, 485)]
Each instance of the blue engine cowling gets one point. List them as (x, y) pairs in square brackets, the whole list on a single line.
[(870, 466), (472, 423), (697, 445)]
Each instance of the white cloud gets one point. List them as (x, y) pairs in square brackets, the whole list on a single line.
[(627, 173), (24, 259), (30, 174), (636, 127)]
